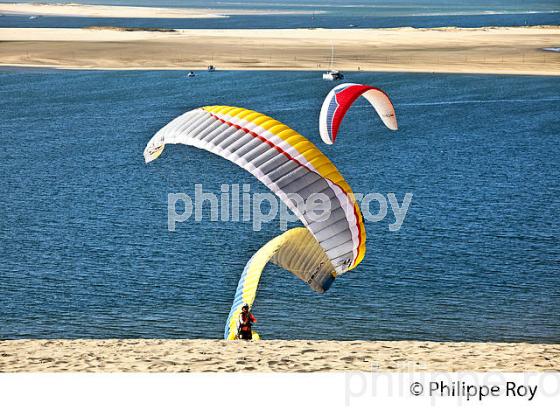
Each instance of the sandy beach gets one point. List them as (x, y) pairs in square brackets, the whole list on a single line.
[(153, 355), (499, 50), (90, 10)]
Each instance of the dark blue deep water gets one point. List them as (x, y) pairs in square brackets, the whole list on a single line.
[(84, 246)]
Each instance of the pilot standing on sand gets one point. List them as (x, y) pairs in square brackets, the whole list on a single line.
[(246, 320)]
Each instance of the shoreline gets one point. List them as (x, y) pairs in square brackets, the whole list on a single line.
[(388, 70), (204, 355), (490, 50), (111, 11)]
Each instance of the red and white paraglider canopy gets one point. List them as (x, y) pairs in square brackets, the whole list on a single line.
[(339, 100)]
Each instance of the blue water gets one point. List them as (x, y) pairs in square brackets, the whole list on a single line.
[(302, 21), (324, 13), (85, 249)]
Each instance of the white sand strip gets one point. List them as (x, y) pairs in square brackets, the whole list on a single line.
[(502, 50)]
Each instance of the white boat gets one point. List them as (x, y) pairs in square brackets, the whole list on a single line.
[(332, 74), (211, 68), (191, 74)]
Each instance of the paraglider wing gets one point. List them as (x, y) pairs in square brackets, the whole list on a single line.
[(286, 162), (341, 98), (295, 250)]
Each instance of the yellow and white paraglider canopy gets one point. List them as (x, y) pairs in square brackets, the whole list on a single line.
[(286, 162), (296, 251), (291, 167)]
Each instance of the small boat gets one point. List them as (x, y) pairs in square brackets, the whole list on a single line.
[(191, 74), (33, 17), (332, 74), (211, 68)]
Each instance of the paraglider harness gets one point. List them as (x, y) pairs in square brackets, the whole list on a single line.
[(247, 327)]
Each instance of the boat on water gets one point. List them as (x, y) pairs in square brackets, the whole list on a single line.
[(332, 74), (211, 68), (191, 74)]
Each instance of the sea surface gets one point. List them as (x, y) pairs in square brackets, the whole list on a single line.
[(321, 14), (84, 246)]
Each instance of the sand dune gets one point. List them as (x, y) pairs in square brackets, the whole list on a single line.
[(153, 355), (503, 50)]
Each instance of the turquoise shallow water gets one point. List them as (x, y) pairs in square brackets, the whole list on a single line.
[(85, 249)]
